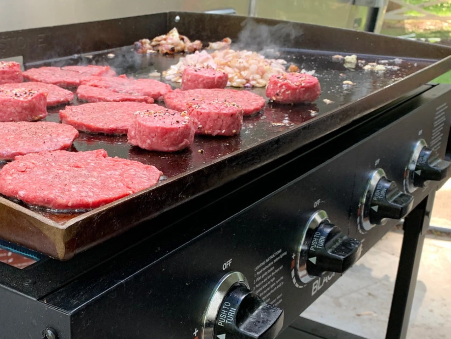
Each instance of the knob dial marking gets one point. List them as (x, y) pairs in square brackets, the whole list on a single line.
[(235, 312), (216, 299)]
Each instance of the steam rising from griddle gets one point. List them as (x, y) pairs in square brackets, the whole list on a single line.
[(266, 39)]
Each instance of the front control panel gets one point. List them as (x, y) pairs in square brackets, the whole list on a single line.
[(253, 274)]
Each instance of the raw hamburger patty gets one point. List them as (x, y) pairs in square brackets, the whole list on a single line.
[(248, 101), (163, 130), (55, 95), (55, 76), (22, 105), (203, 77), (216, 117), (64, 180), (104, 117), (10, 72), (20, 138), (97, 94), (143, 87), (293, 88), (91, 70)]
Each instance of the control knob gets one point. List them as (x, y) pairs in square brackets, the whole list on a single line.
[(323, 248), (331, 251), (235, 312), (425, 165), (382, 200)]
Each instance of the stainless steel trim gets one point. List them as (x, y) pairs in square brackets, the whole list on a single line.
[(363, 213), (300, 273), (252, 8), (222, 11), (218, 295), (370, 3), (409, 173)]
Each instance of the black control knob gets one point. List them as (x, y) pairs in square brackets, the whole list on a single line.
[(243, 314), (429, 167), (382, 200), (322, 248), (388, 202), (331, 251), (424, 165)]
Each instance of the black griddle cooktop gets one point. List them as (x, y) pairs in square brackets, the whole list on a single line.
[(281, 211)]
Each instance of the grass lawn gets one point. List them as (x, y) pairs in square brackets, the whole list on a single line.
[(398, 31), (443, 79), (443, 9), (432, 30)]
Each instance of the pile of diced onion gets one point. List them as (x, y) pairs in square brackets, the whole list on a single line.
[(245, 68)]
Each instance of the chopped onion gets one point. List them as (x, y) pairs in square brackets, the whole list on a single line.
[(244, 68)]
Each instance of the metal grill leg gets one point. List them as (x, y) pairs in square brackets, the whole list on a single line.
[(415, 227)]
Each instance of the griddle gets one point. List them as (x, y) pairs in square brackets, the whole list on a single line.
[(210, 162)]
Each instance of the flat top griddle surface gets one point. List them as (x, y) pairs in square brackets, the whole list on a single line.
[(211, 162), (273, 121)]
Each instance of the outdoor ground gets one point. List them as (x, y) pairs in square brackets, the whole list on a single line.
[(359, 302), (437, 28)]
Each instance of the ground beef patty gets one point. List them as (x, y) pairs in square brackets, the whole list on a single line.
[(10, 72), (64, 180), (216, 117), (121, 84), (203, 77), (20, 138), (55, 95), (21, 104), (248, 101), (104, 117), (293, 88), (91, 70), (163, 130), (97, 94), (55, 76)]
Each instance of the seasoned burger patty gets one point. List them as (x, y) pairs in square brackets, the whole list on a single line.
[(293, 88), (55, 95), (20, 138), (55, 76), (248, 101), (163, 130), (91, 70), (10, 72), (22, 105), (104, 117), (98, 94), (64, 180), (216, 117), (203, 77), (142, 87)]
